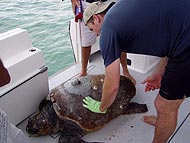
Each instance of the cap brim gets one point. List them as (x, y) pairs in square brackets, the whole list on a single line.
[(100, 10)]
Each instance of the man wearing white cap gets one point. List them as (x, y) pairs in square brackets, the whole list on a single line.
[(151, 27), (89, 38)]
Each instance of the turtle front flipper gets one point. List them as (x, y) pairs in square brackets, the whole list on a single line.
[(71, 132), (72, 139), (136, 108), (72, 136), (91, 142)]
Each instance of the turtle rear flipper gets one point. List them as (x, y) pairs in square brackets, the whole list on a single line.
[(136, 108)]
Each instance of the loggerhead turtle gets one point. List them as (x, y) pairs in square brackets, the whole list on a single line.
[(64, 111)]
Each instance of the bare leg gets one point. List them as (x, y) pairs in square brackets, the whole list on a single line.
[(167, 112), (85, 57), (125, 69)]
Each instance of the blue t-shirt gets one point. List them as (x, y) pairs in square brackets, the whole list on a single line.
[(151, 27)]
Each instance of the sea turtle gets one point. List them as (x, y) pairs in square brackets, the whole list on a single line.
[(64, 111)]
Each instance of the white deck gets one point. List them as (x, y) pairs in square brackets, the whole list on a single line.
[(125, 128)]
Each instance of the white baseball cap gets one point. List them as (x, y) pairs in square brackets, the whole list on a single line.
[(96, 8)]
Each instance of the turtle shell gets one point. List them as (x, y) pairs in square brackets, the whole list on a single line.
[(68, 97)]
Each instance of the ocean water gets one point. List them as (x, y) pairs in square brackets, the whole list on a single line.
[(47, 22)]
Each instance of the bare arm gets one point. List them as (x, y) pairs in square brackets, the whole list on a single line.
[(74, 3), (4, 75), (111, 84), (125, 69)]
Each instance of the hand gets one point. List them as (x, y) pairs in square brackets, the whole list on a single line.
[(92, 105), (74, 4), (152, 82)]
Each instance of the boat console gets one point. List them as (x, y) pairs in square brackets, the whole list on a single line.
[(29, 78)]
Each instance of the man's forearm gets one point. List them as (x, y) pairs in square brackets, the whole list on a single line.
[(108, 95), (111, 85)]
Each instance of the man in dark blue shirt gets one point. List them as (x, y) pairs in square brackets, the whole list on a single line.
[(151, 27)]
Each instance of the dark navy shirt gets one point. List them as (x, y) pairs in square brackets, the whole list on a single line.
[(152, 27)]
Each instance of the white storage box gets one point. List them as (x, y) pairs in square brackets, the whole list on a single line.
[(29, 77), (142, 63)]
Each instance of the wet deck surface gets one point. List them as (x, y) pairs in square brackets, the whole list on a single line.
[(125, 128)]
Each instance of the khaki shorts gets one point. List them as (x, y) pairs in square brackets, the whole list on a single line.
[(88, 37)]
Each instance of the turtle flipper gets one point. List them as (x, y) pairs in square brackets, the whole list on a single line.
[(44, 103), (64, 139), (136, 108), (71, 132), (72, 139), (94, 142)]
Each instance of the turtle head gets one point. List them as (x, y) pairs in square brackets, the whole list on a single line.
[(44, 122)]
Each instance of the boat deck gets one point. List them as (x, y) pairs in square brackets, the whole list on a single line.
[(125, 128)]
